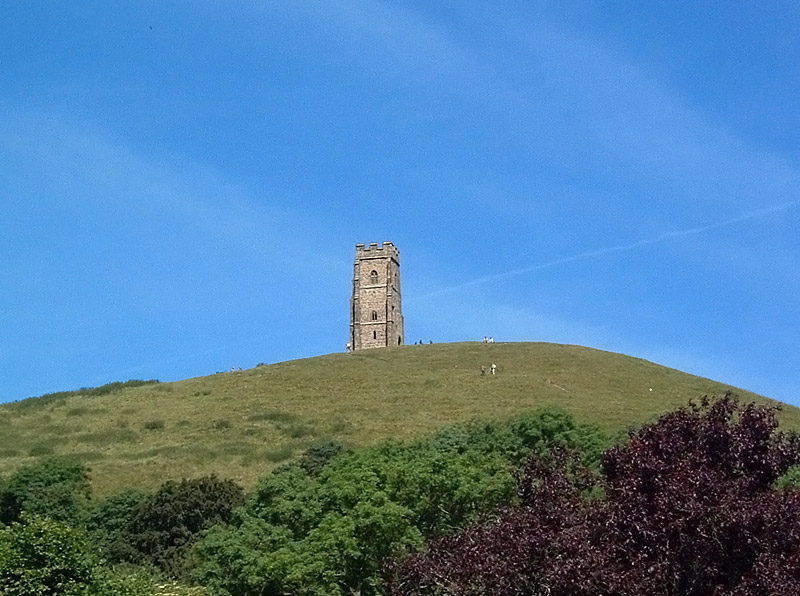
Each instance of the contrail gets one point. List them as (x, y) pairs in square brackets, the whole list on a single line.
[(612, 249)]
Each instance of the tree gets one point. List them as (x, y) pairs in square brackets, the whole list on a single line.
[(316, 457), (45, 557), (54, 487), (165, 525), (109, 521), (689, 507), (325, 530)]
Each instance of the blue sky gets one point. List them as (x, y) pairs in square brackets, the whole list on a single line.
[(183, 183)]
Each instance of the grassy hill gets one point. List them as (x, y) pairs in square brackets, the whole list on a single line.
[(241, 424)]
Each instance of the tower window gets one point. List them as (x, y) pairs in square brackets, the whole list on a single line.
[(374, 335), (373, 277), (374, 315)]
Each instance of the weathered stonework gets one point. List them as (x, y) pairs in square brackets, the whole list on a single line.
[(376, 317)]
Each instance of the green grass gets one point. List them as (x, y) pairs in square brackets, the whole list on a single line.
[(241, 424), (58, 399)]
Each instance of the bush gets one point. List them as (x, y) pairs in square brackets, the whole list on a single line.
[(55, 487), (164, 525), (45, 557), (108, 522), (324, 525), (59, 397), (318, 456), (689, 506)]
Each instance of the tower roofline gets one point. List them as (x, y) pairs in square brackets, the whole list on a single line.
[(377, 250)]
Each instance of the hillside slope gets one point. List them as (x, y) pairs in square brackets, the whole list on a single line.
[(241, 424)]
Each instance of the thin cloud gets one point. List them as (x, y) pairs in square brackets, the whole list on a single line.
[(600, 252), (103, 174), (396, 42), (632, 119)]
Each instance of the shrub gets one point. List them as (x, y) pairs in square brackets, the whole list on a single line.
[(54, 487), (689, 507), (318, 456), (43, 556), (280, 454), (297, 430), (165, 525), (59, 397), (108, 522)]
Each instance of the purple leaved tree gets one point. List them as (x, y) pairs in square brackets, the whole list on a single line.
[(687, 507)]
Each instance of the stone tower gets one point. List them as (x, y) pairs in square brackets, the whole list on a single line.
[(376, 316)]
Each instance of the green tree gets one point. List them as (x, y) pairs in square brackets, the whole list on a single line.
[(239, 559), (164, 526), (43, 557), (54, 487), (108, 521), (344, 554), (325, 530)]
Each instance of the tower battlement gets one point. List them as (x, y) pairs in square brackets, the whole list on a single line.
[(377, 251), (376, 317)]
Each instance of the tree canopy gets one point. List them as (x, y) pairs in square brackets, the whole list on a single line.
[(54, 487), (688, 506), (46, 557), (327, 529), (702, 502)]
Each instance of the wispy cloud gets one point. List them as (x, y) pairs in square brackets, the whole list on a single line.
[(395, 42), (125, 238), (629, 118), (88, 170), (619, 248), (577, 101)]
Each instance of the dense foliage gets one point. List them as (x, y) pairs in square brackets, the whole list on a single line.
[(109, 522), (56, 488), (688, 506), (704, 502), (328, 532), (45, 557), (161, 528), (321, 526)]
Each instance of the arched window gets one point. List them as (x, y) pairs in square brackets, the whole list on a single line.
[(373, 277), (374, 315)]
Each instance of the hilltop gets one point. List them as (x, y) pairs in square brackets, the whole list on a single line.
[(241, 424)]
